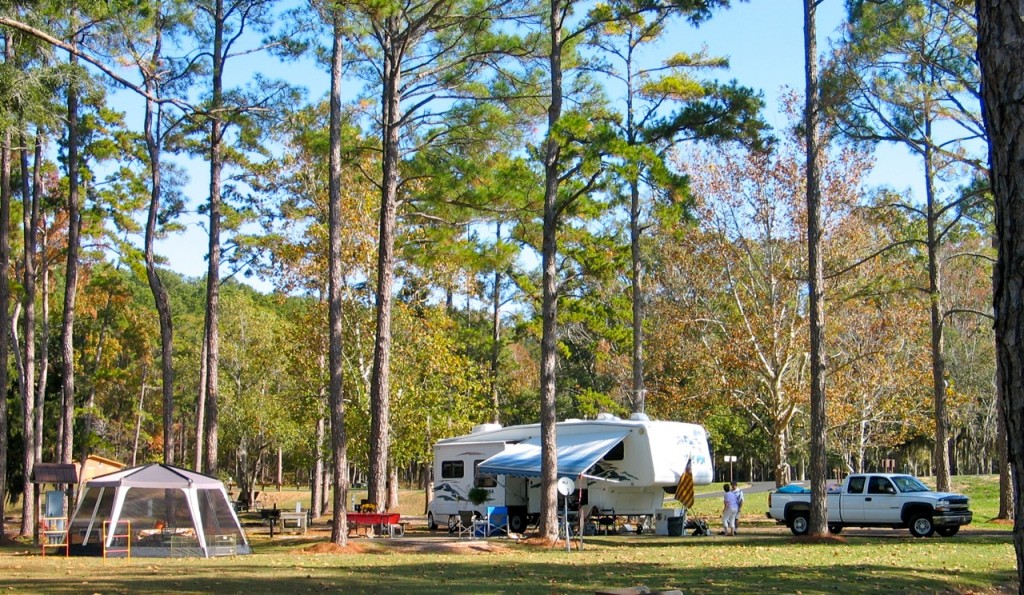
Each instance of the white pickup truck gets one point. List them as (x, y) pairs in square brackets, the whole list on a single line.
[(875, 500)]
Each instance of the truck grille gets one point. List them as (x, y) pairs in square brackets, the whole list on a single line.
[(957, 503)]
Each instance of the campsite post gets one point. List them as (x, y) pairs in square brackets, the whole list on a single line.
[(729, 459)]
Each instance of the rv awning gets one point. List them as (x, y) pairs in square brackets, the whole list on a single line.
[(576, 454)]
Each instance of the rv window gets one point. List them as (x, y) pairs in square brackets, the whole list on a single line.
[(452, 469), (483, 480), (617, 453)]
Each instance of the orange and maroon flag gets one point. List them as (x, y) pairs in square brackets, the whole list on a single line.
[(684, 491)]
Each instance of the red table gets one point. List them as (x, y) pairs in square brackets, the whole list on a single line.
[(389, 523)]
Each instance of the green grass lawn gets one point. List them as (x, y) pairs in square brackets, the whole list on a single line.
[(965, 564), (764, 558)]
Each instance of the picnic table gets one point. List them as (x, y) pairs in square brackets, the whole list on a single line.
[(295, 522), (380, 523)]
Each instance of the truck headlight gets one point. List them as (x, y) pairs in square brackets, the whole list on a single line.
[(942, 505)]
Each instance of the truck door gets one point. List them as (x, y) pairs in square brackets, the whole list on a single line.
[(882, 504), (851, 501)]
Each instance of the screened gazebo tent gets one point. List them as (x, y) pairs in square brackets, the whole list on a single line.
[(165, 511)]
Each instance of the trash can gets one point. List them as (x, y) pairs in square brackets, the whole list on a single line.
[(675, 526)]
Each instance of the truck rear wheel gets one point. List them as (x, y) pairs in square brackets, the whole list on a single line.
[(948, 531), (800, 524), (921, 526), (517, 523)]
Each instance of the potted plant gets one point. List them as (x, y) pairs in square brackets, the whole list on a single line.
[(478, 495)]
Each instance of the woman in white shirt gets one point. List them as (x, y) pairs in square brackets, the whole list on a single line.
[(730, 510)]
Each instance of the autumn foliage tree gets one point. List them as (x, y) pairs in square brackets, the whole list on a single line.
[(739, 274)]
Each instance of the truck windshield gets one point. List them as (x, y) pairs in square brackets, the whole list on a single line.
[(907, 483)]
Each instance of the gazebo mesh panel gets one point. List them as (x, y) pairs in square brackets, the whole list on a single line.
[(80, 525), (219, 524)]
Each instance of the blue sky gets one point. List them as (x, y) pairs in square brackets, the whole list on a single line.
[(763, 40)]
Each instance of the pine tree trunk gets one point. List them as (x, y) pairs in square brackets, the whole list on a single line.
[(200, 446), (213, 272), (1005, 488), (941, 451), (392, 489), (380, 385), (316, 488), (495, 337), (549, 304), (1001, 52), (160, 297), (44, 339), (339, 440), (639, 390), (70, 279), (30, 219), (816, 277), (5, 256)]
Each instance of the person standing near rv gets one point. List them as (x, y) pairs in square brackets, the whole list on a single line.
[(739, 508), (730, 509)]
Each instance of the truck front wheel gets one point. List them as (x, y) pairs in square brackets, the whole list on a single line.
[(835, 529), (948, 531), (800, 524), (921, 526)]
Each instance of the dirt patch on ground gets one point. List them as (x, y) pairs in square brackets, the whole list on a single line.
[(333, 548), (540, 542)]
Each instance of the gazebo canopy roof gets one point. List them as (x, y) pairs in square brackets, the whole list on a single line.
[(155, 475)]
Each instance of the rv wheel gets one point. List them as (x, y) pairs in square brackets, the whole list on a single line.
[(453, 523), (431, 525)]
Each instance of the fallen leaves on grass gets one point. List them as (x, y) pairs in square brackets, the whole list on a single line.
[(819, 539), (538, 541)]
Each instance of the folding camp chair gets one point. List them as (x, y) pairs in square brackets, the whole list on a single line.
[(497, 522), (466, 527)]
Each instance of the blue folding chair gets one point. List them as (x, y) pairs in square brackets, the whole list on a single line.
[(497, 521)]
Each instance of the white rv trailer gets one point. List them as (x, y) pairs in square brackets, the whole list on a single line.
[(623, 465)]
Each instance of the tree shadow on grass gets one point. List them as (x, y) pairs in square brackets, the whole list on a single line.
[(781, 540), (508, 572)]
